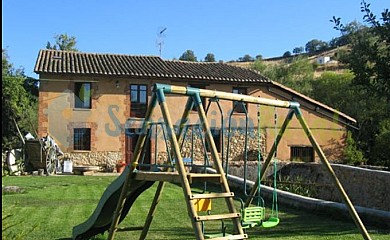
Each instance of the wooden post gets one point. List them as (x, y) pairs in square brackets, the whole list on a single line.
[(328, 167), (152, 210), (137, 153), (179, 161), (217, 163)]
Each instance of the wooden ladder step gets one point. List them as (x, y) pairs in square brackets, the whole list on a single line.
[(204, 177), (212, 195), (228, 237), (125, 229), (217, 217), (175, 177)]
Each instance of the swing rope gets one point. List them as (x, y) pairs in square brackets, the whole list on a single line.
[(275, 195), (258, 156), (274, 219)]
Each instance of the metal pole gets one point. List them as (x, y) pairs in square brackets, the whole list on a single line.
[(183, 127), (222, 126)]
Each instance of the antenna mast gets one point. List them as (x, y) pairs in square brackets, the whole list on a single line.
[(160, 39)]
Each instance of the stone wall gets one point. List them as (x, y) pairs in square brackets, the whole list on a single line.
[(365, 187), (94, 158), (335, 210), (194, 147)]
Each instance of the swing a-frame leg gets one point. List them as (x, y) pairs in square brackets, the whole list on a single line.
[(296, 110)]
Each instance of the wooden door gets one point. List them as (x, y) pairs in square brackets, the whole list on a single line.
[(132, 135)]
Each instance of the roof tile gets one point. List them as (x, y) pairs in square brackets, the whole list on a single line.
[(69, 62)]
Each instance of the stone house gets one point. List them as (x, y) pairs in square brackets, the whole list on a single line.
[(93, 104)]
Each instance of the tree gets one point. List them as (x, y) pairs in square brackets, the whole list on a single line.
[(335, 90), (261, 67), (246, 58), (188, 56), (297, 73), (287, 54), (352, 155), (209, 57), (63, 42), (298, 50), (369, 59), (17, 104), (381, 149), (346, 32), (315, 45)]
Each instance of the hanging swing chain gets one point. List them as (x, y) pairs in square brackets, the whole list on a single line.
[(274, 195), (258, 155)]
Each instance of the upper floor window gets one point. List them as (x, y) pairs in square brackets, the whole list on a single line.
[(82, 95), (240, 108), (82, 139), (139, 100)]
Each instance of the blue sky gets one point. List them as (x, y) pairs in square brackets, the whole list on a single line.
[(228, 29)]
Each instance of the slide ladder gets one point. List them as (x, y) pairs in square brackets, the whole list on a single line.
[(231, 213)]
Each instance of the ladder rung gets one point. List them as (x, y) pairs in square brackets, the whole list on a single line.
[(217, 217), (205, 177), (212, 195), (228, 237), (130, 229)]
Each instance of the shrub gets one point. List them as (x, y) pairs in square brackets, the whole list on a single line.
[(352, 155)]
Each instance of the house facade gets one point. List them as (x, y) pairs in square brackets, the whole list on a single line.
[(93, 106)]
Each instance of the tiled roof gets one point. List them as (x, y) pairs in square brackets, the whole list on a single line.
[(68, 62)]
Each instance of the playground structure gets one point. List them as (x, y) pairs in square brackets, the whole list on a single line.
[(135, 179)]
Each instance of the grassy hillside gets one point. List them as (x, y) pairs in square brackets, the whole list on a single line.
[(333, 65)]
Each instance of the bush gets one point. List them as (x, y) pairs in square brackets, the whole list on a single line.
[(352, 155), (381, 149)]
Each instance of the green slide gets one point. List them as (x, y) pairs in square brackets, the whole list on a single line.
[(101, 218)]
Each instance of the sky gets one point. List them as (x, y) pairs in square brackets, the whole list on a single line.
[(226, 28)]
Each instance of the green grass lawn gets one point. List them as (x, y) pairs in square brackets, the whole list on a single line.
[(49, 207)]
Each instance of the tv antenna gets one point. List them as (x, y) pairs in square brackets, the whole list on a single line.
[(160, 39)]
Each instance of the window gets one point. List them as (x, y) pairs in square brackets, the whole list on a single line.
[(82, 92), (82, 139), (139, 100), (203, 99), (305, 154), (240, 108), (217, 139)]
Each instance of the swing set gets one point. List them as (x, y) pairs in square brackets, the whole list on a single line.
[(175, 171)]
